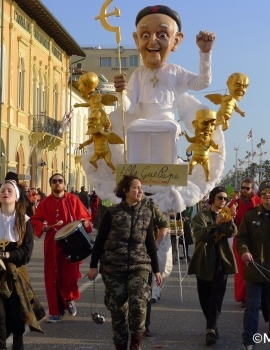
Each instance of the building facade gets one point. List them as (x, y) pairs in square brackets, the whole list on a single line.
[(105, 61), (34, 67)]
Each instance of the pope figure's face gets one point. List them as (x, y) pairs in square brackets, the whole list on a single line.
[(238, 84), (155, 38)]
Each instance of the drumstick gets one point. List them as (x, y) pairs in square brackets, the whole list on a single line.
[(59, 223)]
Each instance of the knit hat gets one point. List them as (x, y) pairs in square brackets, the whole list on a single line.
[(214, 192), (10, 175), (165, 10), (263, 185)]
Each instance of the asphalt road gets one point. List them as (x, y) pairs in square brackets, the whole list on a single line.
[(175, 324)]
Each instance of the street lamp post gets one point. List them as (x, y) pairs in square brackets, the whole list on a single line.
[(1, 85), (70, 107)]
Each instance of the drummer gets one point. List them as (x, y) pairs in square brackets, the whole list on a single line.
[(61, 276)]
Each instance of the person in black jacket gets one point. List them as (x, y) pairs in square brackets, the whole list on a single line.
[(84, 197)]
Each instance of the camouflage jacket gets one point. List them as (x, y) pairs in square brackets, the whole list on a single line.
[(159, 219), (125, 246)]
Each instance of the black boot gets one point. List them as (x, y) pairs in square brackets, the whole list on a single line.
[(135, 343), (147, 332), (120, 346), (17, 342)]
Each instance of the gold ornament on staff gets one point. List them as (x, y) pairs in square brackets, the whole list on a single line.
[(103, 19), (3, 243)]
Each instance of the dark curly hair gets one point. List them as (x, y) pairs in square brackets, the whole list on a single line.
[(50, 179), (124, 185), (249, 181)]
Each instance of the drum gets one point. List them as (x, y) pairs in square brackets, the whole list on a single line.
[(74, 241)]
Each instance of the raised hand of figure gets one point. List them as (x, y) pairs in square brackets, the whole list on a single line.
[(205, 40), (120, 82)]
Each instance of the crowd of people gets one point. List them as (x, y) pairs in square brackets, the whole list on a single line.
[(129, 251)]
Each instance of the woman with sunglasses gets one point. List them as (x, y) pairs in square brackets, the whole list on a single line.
[(61, 276), (16, 245), (213, 259)]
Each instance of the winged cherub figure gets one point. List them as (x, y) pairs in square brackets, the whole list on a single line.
[(202, 143), (99, 124), (237, 84)]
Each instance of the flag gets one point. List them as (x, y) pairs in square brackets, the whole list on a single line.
[(65, 122), (249, 135)]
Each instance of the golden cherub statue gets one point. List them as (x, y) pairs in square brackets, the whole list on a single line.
[(202, 143), (237, 84), (99, 123)]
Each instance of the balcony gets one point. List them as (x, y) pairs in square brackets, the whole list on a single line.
[(45, 132)]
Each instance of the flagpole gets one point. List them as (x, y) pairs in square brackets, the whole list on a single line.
[(70, 131), (251, 145)]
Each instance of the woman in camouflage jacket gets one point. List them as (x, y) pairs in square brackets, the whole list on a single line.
[(126, 249)]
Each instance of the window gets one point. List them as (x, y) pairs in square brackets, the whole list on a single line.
[(34, 90), (133, 61), (105, 62), (38, 93), (3, 73), (123, 62), (55, 101), (44, 95), (21, 85)]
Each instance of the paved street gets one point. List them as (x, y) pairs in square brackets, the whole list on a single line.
[(175, 325)]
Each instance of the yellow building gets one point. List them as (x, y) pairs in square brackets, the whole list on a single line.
[(34, 88)]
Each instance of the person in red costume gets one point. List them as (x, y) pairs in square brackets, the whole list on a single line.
[(94, 203), (61, 276), (239, 207)]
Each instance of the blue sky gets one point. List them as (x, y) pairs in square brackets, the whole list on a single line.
[(242, 45)]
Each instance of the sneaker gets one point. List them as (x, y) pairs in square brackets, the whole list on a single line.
[(54, 318), (216, 333), (249, 347), (153, 300), (71, 307), (243, 304), (210, 339)]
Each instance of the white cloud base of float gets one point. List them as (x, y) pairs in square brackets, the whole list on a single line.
[(171, 198)]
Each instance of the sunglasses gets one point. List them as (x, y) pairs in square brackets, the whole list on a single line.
[(263, 192), (54, 181), (222, 198), (245, 188)]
